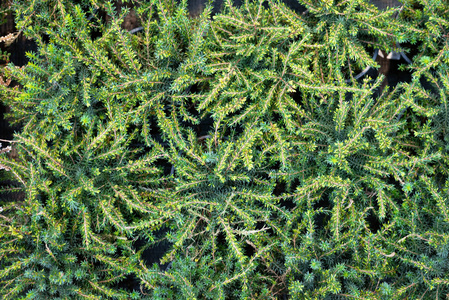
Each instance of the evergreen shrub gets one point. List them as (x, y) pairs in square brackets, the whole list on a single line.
[(237, 141)]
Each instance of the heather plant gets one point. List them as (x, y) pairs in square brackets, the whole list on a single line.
[(239, 141)]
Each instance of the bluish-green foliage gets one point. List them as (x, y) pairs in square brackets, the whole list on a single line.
[(308, 182)]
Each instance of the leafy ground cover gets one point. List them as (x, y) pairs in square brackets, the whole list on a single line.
[(238, 149)]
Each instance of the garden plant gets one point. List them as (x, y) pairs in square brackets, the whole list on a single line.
[(242, 142)]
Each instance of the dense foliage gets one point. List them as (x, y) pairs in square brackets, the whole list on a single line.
[(244, 140)]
